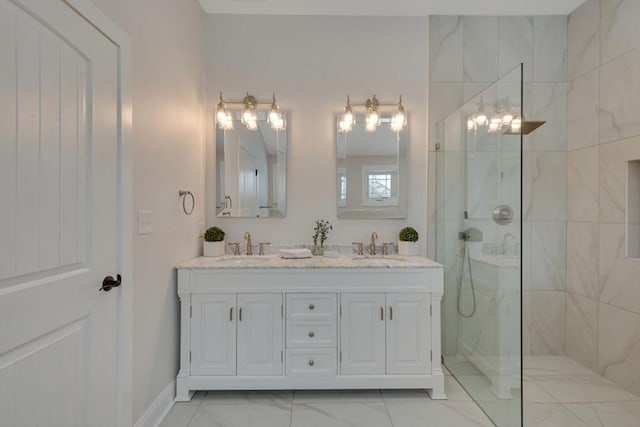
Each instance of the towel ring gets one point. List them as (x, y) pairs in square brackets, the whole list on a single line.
[(184, 194)]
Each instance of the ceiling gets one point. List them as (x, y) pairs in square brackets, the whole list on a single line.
[(392, 7)]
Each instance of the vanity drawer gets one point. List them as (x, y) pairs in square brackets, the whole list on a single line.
[(311, 334), (321, 362), (311, 306)]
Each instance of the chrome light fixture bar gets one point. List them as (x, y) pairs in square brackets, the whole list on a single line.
[(372, 108), (249, 118)]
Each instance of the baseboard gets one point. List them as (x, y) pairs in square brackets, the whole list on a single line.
[(159, 408)]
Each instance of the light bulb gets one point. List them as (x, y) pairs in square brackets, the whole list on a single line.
[(495, 124), (507, 118), (373, 118), (344, 127), (398, 121), (516, 125), (347, 117), (275, 118), (221, 112), (471, 124), (277, 124), (371, 127), (481, 119), (221, 116)]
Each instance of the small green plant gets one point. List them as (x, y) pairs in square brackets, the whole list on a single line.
[(321, 231), (408, 234), (214, 234)]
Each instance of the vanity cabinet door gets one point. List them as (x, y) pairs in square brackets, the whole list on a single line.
[(362, 333), (260, 335), (408, 333), (213, 334)]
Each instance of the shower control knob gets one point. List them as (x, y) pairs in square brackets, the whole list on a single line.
[(503, 214), (312, 334), (311, 362), (312, 307)]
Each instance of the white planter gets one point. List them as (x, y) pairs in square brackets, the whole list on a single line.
[(213, 248), (407, 248)]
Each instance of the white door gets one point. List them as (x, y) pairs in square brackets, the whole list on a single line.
[(362, 340), (59, 136), (260, 334), (213, 334), (408, 333)]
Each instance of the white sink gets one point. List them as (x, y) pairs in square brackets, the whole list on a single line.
[(379, 260), (242, 259)]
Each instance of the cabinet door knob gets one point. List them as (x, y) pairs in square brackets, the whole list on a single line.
[(312, 334), (311, 362), (311, 306)]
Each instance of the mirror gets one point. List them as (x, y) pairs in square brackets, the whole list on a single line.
[(372, 171), (251, 170)]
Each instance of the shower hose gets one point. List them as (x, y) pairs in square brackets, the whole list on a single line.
[(467, 258)]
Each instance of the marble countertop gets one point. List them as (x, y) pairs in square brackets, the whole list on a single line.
[(274, 261)]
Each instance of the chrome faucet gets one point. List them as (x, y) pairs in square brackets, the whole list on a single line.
[(247, 237), (372, 247)]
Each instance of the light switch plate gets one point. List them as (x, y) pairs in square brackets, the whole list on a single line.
[(145, 222)]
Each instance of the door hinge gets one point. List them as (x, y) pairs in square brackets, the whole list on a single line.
[(340, 356), (191, 311), (189, 357), (282, 311), (281, 355), (340, 310), (431, 311), (431, 355)]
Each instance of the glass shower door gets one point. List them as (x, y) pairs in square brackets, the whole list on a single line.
[(479, 241)]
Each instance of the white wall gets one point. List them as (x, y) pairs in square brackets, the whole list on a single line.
[(312, 63), (603, 299), (168, 113)]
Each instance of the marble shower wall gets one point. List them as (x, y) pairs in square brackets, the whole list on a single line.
[(603, 300), (467, 54)]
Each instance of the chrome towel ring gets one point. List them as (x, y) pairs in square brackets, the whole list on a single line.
[(184, 194)]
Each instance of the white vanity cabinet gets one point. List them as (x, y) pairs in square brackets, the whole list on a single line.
[(308, 326), (385, 333)]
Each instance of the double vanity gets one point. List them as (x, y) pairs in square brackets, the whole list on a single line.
[(351, 322)]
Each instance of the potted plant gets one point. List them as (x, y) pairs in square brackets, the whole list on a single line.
[(321, 232), (407, 239), (213, 242)]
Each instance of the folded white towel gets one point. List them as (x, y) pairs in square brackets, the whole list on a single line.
[(295, 253)]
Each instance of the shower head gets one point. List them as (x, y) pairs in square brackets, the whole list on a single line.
[(528, 126)]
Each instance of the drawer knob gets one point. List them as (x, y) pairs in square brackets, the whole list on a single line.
[(312, 334), (311, 362), (311, 306)]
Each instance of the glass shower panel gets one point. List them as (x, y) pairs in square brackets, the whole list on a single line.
[(479, 241)]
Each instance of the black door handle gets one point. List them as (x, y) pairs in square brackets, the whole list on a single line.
[(109, 282)]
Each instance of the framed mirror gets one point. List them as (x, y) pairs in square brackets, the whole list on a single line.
[(372, 171), (251, 169)]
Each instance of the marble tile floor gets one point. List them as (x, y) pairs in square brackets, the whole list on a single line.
[(332, 408), (558, 392)]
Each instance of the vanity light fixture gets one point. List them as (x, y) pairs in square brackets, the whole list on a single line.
[(223, 115), (399, 118), (501, 119), (275, 117), (249, 117), (372, 119)]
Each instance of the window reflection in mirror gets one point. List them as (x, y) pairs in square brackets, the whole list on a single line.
[(371, 171), (251, 170)]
